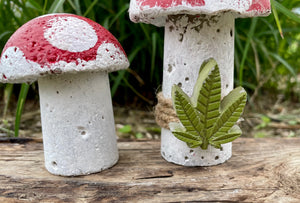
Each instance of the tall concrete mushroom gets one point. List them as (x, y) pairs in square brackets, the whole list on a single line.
[(71, 57), (195, 30)]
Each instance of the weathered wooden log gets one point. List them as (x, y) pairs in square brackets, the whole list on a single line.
[(260, 170)]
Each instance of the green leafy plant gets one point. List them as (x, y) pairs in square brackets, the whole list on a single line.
[(265, 121), (125, 129), (205, 118), (128, 130), (263, 58)]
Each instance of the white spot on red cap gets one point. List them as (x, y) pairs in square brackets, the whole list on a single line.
[(16, 66), (70, 34), (110, 55)]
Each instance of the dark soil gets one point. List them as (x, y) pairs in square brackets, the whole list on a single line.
[(268, 119)]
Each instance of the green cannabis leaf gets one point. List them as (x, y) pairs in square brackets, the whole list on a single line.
[(205, 119)]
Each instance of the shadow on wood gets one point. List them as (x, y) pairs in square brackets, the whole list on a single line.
[(260, 170)]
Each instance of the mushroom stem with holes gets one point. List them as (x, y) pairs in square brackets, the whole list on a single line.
[(195, 30), (77, 122), (70, 56)]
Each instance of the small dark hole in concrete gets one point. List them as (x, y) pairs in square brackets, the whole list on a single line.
[(231, 32), (227, 85), (218, 30), (191, 151), (102, 117), (202, 157), (187, 79), (186, 158), (180, 84), (83, 133), (57, 92), (217, 157), (170, 68), (54, 163)]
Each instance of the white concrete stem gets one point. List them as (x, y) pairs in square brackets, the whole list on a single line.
[(77, 123), (189, 41)]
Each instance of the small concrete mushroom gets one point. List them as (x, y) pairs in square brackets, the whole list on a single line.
[(71, 57), (195, 30)]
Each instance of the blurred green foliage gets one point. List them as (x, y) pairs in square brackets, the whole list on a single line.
[(263, 60), (142, 43)]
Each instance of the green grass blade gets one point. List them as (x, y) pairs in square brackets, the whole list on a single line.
[(274, 11), (77, 7), (72, 4), (286, 11), (90, 8), (246, 49), (116, 16), (117, 81), (285, 63), (56, 6), (271, 31), (105, 23), (5, 33), (146, 33), (153, 56), (20, 106), (121, 73), (7, 95), (9, 132), (44, 7), (33, 5), (136, 92)]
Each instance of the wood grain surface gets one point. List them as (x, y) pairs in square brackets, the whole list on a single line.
[(260, 170)]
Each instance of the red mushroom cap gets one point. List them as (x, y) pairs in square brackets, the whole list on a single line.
[(58, 43), (156, 11)]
